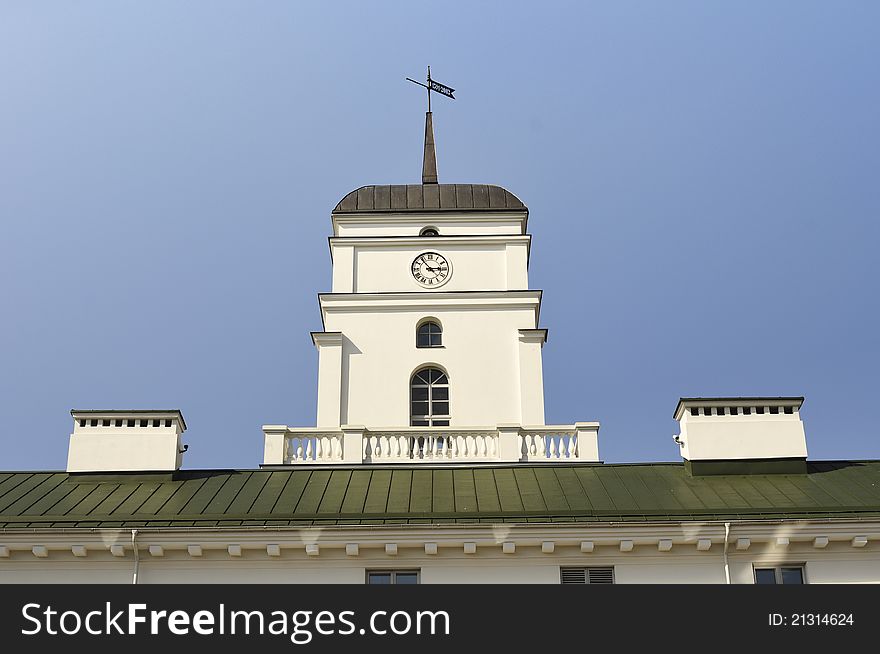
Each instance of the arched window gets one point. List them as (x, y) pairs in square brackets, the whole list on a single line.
[(429, 231), (429, 398), (429, 334)]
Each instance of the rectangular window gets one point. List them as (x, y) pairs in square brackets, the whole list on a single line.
[(784, 574), (383, 577), (586, 575)]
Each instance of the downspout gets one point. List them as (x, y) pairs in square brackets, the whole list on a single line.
[(134, 578), (726, 564)]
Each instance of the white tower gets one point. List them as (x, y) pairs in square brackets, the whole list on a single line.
[(449, 261), (430, 322)]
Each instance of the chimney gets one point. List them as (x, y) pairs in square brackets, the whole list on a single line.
[(741, 435), (126, 441)]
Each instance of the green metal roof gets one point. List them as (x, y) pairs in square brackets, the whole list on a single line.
[(435, 495)]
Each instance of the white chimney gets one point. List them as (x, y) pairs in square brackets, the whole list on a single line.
[(718, 431), (126, 441)]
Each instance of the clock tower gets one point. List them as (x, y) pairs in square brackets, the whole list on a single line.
[(430, 325)]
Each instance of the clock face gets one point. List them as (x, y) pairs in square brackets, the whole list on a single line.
[(431, 269)]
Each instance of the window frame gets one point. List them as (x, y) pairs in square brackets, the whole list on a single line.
[(777, 571), (393, 572), (431, 418), (424, 323)]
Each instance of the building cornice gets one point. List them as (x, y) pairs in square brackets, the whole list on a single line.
[(765, 538)]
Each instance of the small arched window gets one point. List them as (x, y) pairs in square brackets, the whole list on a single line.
[(429, 399), (429, 231), (429, 334)]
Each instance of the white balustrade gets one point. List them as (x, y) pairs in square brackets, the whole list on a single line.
[(509, 444), (311, 447)]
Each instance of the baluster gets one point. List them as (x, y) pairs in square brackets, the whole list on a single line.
[(393, 446)]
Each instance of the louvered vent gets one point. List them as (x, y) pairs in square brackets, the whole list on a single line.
[(587, 575)]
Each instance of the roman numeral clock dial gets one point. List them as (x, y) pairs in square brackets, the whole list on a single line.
[(431, 270)]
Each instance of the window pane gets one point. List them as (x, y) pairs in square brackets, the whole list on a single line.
[(792, 576), (440, 408), (379, 578), (436, 340), (441, 423), (420, 393), (422, 377), (439, 377), (440, 392), (418, 423), (407, 578), (765, 576), (425, 328), (423, 340), (419, 408)]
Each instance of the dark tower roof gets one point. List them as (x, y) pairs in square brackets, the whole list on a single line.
[(394, 198)]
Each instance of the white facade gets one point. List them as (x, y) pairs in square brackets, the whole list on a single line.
[(490, 351)]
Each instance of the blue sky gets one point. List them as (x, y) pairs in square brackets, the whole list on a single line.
[(701, 178)]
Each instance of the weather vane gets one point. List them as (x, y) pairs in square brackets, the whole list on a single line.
[(434, 85)]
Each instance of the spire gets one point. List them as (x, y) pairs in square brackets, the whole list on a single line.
[(429, 162)]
